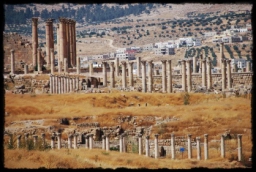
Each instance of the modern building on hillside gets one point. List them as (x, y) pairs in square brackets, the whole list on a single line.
[(241, 63)]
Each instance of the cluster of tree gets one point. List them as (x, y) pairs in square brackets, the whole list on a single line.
[(88, 13), (229, 51)]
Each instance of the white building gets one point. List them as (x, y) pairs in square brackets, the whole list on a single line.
[(241, 63), (120, 50), (148, 47), (209, 34)]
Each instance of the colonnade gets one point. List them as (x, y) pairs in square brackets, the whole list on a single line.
[(60, 84)]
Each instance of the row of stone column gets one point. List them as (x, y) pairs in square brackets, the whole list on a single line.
[(66, 41), (225, 74), (189, 148), (63, 84), (105, 144)]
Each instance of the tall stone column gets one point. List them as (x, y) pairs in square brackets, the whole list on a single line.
[(90, 141), (43, 139), (140, 144), (130, 73), (91, 68), (117, 66), (51, 84), (52, 141), (68, 84), (203, 73), (59, 140), (25, 69), (123, 74), (209, 74), (143, 73), (189, 147), (65, 65), (239, 149), (74, 41), (52, 60), (71, 85), (18, 141), (63, 40), (48, 30), (222, 147), (78, 71), (206, 146), (107, 142), (68, 42), (120, 143), (70, 141), (124, 147), (223, 74), (35, 137), (169, 76), (248, 66), (34, 40), (138, 59), (228, 74), (200, 63), (77, 83), (58, 43), (39, 65), (147, 146), (26, 139), (60, 67), (194, 64), (59, 85), (221, 54), (104, 72), (70, 27), (87, 141), (163, 76), (156, 146), (12, 62), (183, 75), (198, 148), (112, 75), (173, 146), (103, 142), (75, 141), (150, 76), (189, 78)]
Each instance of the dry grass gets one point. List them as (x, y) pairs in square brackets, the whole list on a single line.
[(209, 114)]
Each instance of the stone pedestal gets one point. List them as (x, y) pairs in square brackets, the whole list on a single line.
[(12, 62), (143, 72), (163, 76)]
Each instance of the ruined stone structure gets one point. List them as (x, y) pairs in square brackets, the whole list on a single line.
[(34, 40)]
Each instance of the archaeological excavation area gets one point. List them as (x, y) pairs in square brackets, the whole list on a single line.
[(126, 107)]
